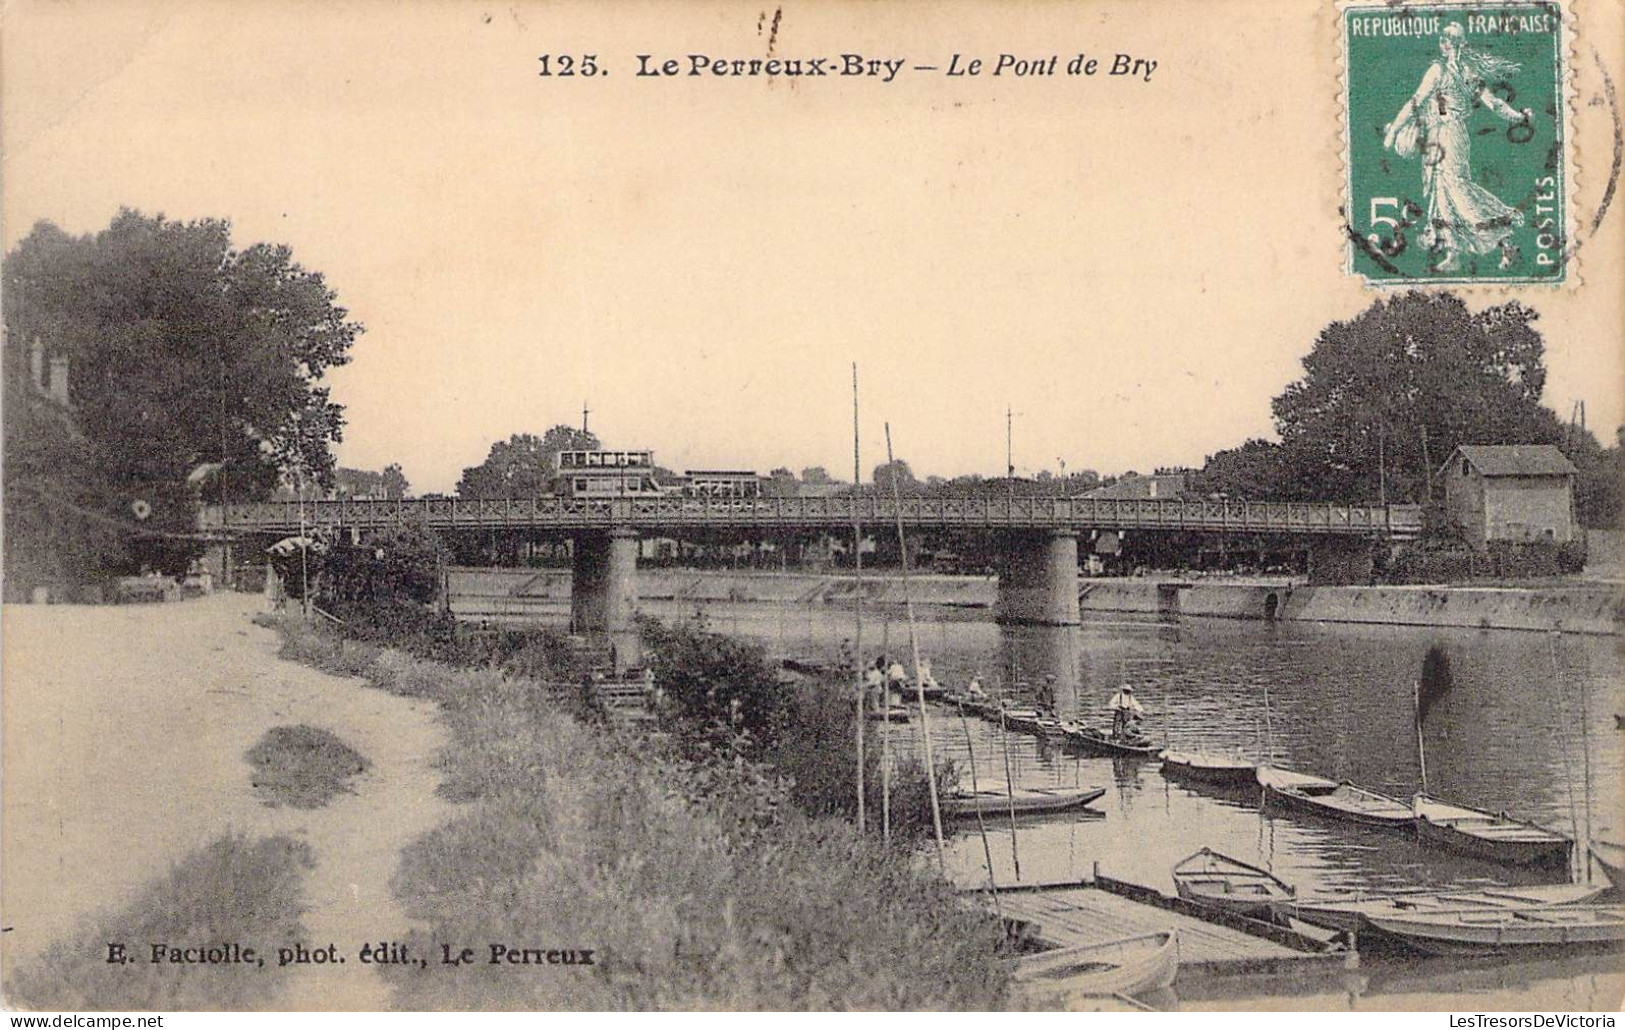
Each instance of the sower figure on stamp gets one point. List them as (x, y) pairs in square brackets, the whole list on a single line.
[(1461, 214)]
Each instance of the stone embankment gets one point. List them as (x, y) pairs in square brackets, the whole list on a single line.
[(1580, 607)]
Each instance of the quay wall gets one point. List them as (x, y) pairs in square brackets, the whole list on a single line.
[(1580, 608)]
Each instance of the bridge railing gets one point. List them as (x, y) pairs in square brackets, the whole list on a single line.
[(652, 514)]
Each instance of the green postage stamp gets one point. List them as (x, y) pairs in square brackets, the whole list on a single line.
[(1456, 143)]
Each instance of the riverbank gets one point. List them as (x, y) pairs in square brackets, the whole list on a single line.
[(1580, 607), (127, 735)]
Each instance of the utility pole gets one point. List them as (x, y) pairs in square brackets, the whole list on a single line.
[(584, 411), (1009, 452)]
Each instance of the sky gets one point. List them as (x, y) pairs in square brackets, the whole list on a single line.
[(1134, 267)]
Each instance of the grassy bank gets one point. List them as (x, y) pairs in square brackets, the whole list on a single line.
[(233, 889), (303, 766), (694, 880)]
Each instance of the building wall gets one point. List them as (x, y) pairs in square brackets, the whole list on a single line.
[(1464, 500), (1529, 508)]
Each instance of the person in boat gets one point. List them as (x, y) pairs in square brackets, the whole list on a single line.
[(975, 689), (1046, 695), (1126, 714), (896, 680), (874, 686)]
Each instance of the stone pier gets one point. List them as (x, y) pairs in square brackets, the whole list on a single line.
[(604, 591), (1038, 578)]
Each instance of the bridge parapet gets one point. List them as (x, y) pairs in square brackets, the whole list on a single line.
[(653, 515)]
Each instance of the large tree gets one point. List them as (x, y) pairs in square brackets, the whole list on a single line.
[(192, 366), (522, 465), (1418, 372)]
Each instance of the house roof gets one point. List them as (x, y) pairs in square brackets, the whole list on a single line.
[(1540, 459)]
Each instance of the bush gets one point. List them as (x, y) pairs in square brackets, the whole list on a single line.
[(720, 693), (231, 889)]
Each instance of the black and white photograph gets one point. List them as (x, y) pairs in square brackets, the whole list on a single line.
[(1085, 506)]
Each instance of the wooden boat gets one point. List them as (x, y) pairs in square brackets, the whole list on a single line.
[(1024, 800), (1495, 838), (1478, 931), (1022, 720), (1350, 912), (1335, 800), (895, 713), (1611, 857), (1094, 740), (1219, 881), (1131, 966), (1229, 771)]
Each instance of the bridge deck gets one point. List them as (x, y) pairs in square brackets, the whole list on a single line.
[(654, 515)]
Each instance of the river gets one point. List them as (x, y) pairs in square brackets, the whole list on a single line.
[(1528, 728)]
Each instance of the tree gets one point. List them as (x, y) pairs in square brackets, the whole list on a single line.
[(898, 469), (1253, 471), (389, 484), (816, 475), (522, 465), (183, 354), (1419, 367)]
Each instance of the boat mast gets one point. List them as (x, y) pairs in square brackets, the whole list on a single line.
[(981, 824), (914, 647), (857, 569), (1009, 786)]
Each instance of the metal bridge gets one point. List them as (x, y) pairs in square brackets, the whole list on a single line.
[(656, 515)]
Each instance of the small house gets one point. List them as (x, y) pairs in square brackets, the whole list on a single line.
[(1519, 493)]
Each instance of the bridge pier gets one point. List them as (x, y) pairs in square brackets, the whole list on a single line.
[(1038, 578), (604, 590), (1340, 561)]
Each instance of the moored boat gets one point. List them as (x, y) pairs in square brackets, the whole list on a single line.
[(1335, 800), (1021, 801), (1095, 740), (1350, 912), (1478, 931), (1495, 838), (893, 713), (1129, 967), (1223, 770), (1219, 881)]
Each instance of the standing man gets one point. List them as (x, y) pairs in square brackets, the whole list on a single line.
[(1126, 711)]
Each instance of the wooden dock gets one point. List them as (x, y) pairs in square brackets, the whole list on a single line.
[(1068, 915)]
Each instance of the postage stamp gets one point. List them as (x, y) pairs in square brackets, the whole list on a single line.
[(1456, 147)]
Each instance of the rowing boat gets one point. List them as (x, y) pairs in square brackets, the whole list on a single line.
[(894, 713), (1222, 770), (1130, 966), (1335, 800), (1611, 857), (1496, 838), (1477, 931), (1023, 801), (1219, 881), (1094, 740), (1350, 912)]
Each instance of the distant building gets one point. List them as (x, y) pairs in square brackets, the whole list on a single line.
[(1164, 484), (1519, 492)]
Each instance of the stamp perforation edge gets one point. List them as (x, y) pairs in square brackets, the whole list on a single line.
[(1566, 87)]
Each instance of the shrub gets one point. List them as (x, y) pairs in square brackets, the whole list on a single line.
[(231, 889)]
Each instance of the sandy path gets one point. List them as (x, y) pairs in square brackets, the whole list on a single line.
[(125, 729)]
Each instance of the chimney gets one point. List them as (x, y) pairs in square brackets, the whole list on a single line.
[(36, 363), (59, 380)]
